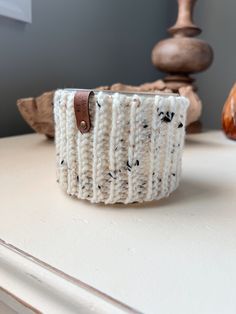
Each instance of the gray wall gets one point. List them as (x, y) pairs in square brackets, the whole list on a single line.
[(217, 19), (87, 43), (83, 43)]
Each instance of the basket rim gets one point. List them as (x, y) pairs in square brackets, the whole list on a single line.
[(96, 91)]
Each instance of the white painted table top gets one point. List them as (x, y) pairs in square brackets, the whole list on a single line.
[(177, 255)]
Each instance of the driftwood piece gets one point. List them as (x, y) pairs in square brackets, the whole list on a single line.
[(195, 108), (38, 112), (158, 85)]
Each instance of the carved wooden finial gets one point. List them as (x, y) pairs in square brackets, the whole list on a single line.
[(182, 54), (184, 25)]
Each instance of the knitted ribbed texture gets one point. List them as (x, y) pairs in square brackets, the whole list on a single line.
[(132, 152)]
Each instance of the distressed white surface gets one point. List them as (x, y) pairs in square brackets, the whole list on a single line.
[(176, 255), (16, 9), (9, 304), (30, 287), (4, 309)]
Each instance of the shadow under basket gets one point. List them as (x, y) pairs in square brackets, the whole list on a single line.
[(119, 147)]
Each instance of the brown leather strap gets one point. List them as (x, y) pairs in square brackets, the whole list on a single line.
[(81, 107)]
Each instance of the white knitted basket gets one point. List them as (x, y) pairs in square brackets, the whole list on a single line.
[(132, 152)]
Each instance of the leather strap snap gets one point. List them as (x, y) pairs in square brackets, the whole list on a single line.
[(81, 107)]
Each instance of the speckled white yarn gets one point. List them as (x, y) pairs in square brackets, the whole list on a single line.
[(132, 152)]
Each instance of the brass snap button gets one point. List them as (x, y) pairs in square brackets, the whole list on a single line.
[(83, 125)]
